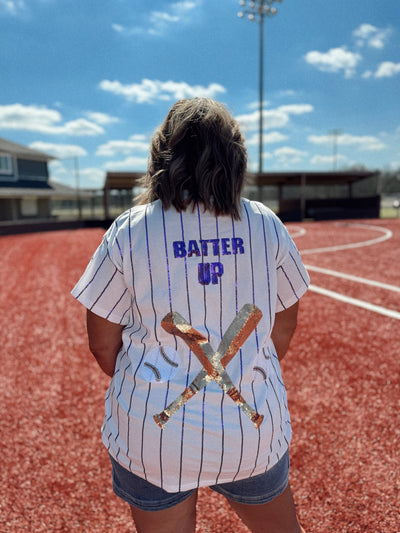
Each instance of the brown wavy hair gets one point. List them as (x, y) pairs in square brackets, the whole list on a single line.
[(197, 156)]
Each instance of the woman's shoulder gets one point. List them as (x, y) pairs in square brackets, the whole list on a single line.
[(257, 208), (136, 212)]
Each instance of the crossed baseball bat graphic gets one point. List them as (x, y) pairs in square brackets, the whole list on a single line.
[(214, 363)]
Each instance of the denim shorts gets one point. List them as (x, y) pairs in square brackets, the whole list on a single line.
[(251, 491)]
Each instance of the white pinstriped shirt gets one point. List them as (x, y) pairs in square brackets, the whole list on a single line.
[(153, 261)]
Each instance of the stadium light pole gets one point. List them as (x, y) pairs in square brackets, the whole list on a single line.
[(257, 11)]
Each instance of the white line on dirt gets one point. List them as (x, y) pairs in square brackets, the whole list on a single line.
[(387, 234), (296, 231), (350, 277), (354, 301)]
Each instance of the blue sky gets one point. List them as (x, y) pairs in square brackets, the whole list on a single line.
[(93, 79)]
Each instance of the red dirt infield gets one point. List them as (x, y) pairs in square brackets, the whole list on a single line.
[(342, 377)]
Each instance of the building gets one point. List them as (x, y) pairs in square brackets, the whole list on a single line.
[(25, 192), (342, 194)]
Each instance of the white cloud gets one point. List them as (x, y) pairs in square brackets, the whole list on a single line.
[(157, 17), (130, 163), (362, 142), (62, 151), (44, 120), (150, 90), (369, 35), (31, 118), (136, 143), (289, 156), (93, 175), (273, 118), (324, 160), (12, 7), (80, 127), (158, 22), (296, 109), (65, 172), (387, 69), (268, 138), (101, 118), (335, 60), (118, 28)]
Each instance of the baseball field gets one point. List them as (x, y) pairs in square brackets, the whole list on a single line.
[(342, 377)]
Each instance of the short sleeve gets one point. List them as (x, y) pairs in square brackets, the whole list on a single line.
[(102, 288), (292, 277)]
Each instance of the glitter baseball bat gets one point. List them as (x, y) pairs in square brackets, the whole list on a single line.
[(214, 363)]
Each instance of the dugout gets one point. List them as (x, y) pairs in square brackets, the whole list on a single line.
[(118, 191), (298, 195), (320, 195)]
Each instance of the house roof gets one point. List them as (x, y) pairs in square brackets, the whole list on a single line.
[(23, 152)]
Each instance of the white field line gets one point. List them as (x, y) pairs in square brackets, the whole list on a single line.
[(354, 301), (296, 231), (350, 277), (387, 234)]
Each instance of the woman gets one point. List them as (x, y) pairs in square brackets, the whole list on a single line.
[(192, 300)]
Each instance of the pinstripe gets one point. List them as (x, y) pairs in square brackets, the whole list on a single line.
[(208, 335), (280, 301), (204, 287), (241, 366), (167, 260), (189, 361), (118, 404), (258, 429), (125, 313), (274, 360), (202, 437), (104, 289), (251, 261), (155, 335), (170, 307), (114, 398), (141, 340), (288, 279), (298, 269), (256, 331), (271, 420), (267, 269), (143, 426), (280, 409), (222, 392), (150, 274), (133, 278), (119, 248), (92, 279), (277, 240), (118, 301), (275, 370), (111, 260), (131, 406), (108, 395)]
